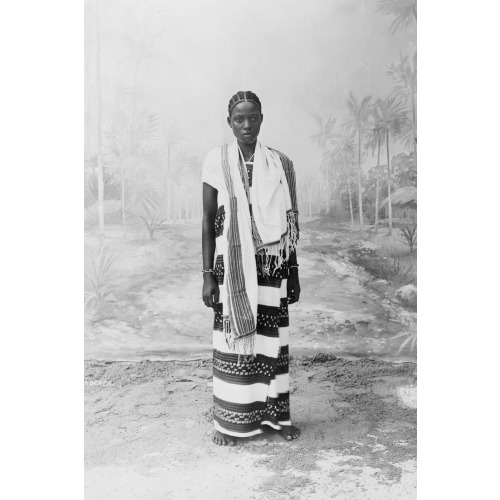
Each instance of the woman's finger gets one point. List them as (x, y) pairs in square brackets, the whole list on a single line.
[(206, 300)]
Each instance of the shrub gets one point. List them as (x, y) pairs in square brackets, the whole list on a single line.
[(408, 235), (411, 338), (379, 267), (101, 277), (152, 221)]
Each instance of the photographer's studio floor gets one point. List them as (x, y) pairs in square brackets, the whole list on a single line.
[(149, 427)]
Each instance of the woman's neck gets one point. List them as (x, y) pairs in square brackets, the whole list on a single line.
[(247, 149)]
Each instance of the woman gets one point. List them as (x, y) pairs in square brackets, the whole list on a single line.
[(250, 217)]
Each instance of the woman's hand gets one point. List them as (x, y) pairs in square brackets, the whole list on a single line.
[(293, 285), (210, 290)]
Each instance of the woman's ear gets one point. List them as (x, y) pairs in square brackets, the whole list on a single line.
[(229, 121)]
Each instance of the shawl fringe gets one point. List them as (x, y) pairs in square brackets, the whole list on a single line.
[(282, 249), (243, 345)]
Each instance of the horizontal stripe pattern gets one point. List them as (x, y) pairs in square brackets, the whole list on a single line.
[(251, 392), (256, 429)]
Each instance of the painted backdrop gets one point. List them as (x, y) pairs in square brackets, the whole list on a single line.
[(337, 79)]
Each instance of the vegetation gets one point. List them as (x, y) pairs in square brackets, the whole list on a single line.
[(370, 126), (379, 266), (359, 114), (100, 179), (404, 12), (411, 338), (152, 222), (136, 171), (409, 236), (100, 277)]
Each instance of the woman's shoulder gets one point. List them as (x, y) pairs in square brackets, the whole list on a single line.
[(212, 169), (285, 160), (213, 155)]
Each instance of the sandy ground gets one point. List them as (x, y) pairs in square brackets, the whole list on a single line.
[(148, 429)]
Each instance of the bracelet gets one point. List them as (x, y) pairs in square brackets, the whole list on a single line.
[(208, 271), (294, 265)]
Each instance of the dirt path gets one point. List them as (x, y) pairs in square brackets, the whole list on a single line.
[(156, 310), (148, 428)]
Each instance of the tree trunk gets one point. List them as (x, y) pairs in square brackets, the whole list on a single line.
[(134, 109), (350, 198), (414, 117), (87, 119), (123, 196), (389, 204), (377, 188), (100, 176), (169, 197), (179, 207), (360, 193), (327, 190)]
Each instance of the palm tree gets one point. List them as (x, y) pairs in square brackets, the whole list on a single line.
[(118, 143), (188, 176), (178, 181), (390, 114), (323, 139), (100, 177), (308, 187), (404, 12), (359, 120), (139, 41), (343, 153), (128, 154), (173, 138), (375, 138), (89, 47), (404, 76)]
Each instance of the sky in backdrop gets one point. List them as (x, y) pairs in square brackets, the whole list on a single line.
[(297, 56)]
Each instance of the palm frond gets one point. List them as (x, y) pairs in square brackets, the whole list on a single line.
[(404, 343), (404, 12), (325, 133)]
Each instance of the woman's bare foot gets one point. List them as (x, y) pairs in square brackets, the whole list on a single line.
[(223, 439), (290, 432)]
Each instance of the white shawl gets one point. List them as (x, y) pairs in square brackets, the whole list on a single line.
[(270, 229)]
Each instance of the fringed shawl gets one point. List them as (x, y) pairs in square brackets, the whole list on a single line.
[(270, 229)]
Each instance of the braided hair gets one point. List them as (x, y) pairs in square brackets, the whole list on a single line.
[(243, 96)]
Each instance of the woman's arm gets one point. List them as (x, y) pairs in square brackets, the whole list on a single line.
[(210, 291), (293, 284)]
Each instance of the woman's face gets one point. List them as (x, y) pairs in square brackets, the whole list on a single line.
[(245, 120)]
